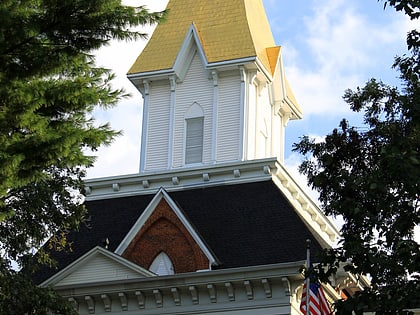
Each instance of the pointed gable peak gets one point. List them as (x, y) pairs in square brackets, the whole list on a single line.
[(164, 228), (192, 43), (97, 265), (227, 30)]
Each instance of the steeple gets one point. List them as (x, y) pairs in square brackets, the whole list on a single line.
[(213, 85), (227, 30)]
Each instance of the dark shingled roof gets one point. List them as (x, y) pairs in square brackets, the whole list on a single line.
[(243, 225)]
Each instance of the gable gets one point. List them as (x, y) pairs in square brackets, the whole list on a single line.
[(244, 224), (98, 265), (190, 47), (163, 228), (282, 92)]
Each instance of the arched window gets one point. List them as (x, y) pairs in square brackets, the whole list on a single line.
[(194, 120), (162, 265)]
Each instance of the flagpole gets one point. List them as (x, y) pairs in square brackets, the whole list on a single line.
[(308, 281)]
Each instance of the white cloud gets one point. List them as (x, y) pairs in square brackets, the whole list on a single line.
[(344, 47), (341, 45), (123, 155), (292, 165)]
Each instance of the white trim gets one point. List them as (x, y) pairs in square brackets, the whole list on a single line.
[(145, 125), (324, 230), (243, 148), (215, 120), (264, 70), (258, 290), (232, 62), (84, 259), (253, 84), (162, 194), (151, 75), (194, 112), (221, 174), (290, 104), (172, 81), (189, 177), (187, 52), (162, 265), (164, 73), (192, 125)]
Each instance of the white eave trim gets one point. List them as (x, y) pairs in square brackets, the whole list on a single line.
[(179, 179), (295, 113), (215, 175), (325, 231), (97, 250), (190, 38), (165, 73)]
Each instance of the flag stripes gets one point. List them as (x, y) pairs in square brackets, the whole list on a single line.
[(318, 304)]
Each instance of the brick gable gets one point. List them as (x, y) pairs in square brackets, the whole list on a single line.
[(164, 232)]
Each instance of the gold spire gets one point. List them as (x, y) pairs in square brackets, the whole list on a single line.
[(228, 30)]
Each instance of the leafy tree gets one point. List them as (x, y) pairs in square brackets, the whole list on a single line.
[(49, 86), (370, 177)]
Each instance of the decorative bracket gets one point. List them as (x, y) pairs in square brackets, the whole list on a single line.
[(286, 284), (90, 304), (123, 300), (176, 296), (212, 293), (267, 288)]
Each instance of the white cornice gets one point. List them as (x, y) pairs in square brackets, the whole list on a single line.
[(216, 175), (291, 110), (137, 78), (179, 179), (291, 270), (325, 230), (267, 288)]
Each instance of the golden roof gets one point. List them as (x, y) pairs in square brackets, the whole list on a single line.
[(228, 30)]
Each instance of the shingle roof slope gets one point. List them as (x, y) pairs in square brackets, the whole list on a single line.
[(244, 225), (227, 30)]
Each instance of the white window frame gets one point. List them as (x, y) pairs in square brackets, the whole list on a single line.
[(162, 265), (194, 135)]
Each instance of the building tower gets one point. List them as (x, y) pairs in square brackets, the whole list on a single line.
[(213, 223), (218, 93)]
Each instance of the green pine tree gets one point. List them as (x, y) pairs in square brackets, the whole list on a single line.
[(370, 178), (49, 87)]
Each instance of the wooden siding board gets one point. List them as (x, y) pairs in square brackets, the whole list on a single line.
[(158, 133), (229, 116), (196, 87), (97, 270)]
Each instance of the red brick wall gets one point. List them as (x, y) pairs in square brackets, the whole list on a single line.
[(163, 231)]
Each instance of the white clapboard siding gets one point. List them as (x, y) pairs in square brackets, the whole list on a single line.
[(196, 87), (158, 126), (251, 116), (263, 132), (229, 119), (99, 269)]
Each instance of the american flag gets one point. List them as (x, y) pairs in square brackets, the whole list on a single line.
[(318, 304)]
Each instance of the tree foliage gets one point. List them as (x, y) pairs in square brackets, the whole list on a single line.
[(370, 177), (49, 87)]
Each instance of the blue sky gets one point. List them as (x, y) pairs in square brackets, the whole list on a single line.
[(330, 46), (327, 46)]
